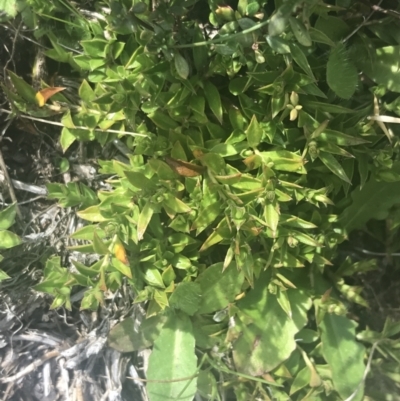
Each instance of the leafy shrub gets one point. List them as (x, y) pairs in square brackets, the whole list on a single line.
[(256, 145)]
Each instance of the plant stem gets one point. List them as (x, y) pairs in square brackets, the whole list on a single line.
[(10, 186), (223, 38)]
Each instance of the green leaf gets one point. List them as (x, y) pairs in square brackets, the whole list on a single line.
[(8, 239), (197, 104), (99, 246), (339, 138), (279, 45), (335, 150), (277, 104), (213, 99), (238, 85), (307, 336), (7, 217), (23, 89), (162, 169), (301, 380), (326, 107), (271, 215), (160, 297), (139, 180), (297, 222), (178, 152), (225, 149), (180, 241), (334, 28), (168, 276), (86, 92), (219, 286), (301, 60), (341, 73), (373, 201), (333, 165), (320, 37), (175, 204), (285, 161), (254, 132), (300, 32), (200, 54), (284, 302), (162, 120), (125, 337), (144, 219), (236, 118), (173, 358), (305, 239), (92, 214), (186, 297), (182, 66), (206, 216), (277, 23), (181, 262), (67, 138), (9, 7), (122, 267), (91, 271), (262, 346), (139, 7), (95, 47), (63, 165), (153, 277), (3, 275), (214, 162), (229, 179), (214, 238), (384, 68), (343, 353)]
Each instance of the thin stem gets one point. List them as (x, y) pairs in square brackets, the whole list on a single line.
[(12, 49), (10, 186), (73, 10), (366, 371), (363, 23), (388, 12), (59, 20), (223, 38), (112, 131)]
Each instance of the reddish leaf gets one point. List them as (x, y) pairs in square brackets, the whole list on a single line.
[(45, 94), (184, 168)]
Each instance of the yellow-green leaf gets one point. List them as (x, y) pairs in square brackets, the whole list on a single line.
[(254, 132), (182, 66), (92, 214), (8, 239), (7, 217), (144, 219), (214, 99)]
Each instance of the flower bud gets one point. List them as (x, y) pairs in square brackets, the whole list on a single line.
[(294, 98), (293, 114)]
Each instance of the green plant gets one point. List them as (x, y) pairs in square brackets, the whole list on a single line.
[(247, 155), (7, 238)]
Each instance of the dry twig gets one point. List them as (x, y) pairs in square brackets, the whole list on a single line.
[(30, 368)]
